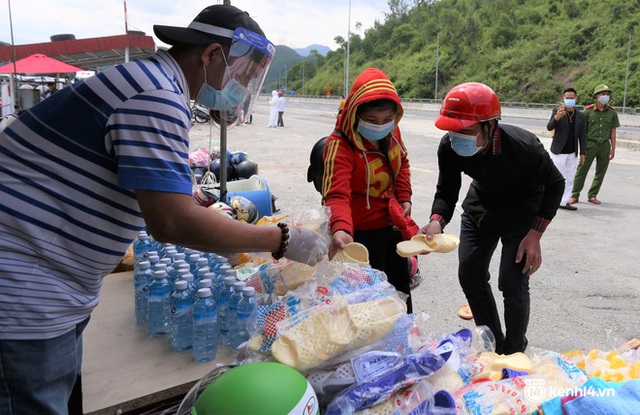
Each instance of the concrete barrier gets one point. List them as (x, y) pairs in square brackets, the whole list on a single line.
[(627, 136)]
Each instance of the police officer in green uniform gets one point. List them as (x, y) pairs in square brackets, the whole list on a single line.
[(602, 121)]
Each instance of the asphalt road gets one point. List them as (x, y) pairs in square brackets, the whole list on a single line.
[(586, 292)]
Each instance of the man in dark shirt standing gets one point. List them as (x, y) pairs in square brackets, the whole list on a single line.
[(569, 135), (514, 195)]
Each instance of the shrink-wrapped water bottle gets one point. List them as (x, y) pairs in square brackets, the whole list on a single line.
[(141, 246), (154, 259), (142, 279), (193, 263), (218, 284), (203, 268), (205, 327), (184, 274), (223, 304), (232, 311), (159, 304), (181, 317), (171, 254), (205, 283), (246, 308), (169, 269)]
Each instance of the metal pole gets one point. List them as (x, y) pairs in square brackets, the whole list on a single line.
[(12, 84), (303, 76), (223, 156), (626, 78), (437, 59), (346, 71), (223, 146)]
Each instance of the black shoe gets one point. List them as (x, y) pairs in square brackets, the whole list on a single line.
[(568, 207)]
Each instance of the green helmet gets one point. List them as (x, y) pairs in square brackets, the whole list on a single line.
[(264, 388), (601, 88)]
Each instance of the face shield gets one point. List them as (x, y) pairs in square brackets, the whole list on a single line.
[(247, 63)]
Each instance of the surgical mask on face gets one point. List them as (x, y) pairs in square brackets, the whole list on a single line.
[(231, 95), (604, 99), (463, 144), (569, 102), (375, 132)]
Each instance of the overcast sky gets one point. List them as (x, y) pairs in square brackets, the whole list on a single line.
[(295, 23)]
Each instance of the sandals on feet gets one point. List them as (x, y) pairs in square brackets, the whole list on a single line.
[(594, 200), (465, 312)]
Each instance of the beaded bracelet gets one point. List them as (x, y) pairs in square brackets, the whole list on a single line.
[(284, 242)]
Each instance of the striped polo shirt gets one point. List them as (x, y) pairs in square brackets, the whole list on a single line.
[(69, 169)]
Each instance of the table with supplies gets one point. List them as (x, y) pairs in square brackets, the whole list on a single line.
[(124, 368)]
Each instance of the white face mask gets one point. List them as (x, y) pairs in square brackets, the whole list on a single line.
[(604, 99)]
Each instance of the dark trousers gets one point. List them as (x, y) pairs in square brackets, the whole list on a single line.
[(381, 244), (477, 245), (280, 122)]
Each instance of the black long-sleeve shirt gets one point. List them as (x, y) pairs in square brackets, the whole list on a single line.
[(515, 178)]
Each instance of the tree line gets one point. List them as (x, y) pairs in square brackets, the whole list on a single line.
[(526, 50)]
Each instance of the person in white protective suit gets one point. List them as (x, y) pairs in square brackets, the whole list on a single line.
[(273, 109)]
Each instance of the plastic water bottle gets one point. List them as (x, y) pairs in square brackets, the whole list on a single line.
[(246, 307), (223, 304), (218, 284), (181, 317), (214, 262), (193, 263), (166, 261), (205, 283), (158, 246), (232, 311), (203, 268), (153, 259), (171, 254), (142, 279), (173, 276), (185, 275), (205, 327), (141, 246), (180, 256), (159, 304)]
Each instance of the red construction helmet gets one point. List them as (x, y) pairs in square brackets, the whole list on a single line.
[(467, 104)]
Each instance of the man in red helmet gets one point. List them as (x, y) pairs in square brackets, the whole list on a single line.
[(514, 195)]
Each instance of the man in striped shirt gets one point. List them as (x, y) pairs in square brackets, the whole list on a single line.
[(83, 171)]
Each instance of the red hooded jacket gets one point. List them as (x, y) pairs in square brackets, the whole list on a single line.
[(359, 180)]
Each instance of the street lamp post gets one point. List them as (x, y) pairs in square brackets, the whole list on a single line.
[(346, 69), (626, 78), (285, 78), (437, 59)]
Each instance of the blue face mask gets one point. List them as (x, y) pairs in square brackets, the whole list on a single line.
[(375, 132), (231, 95), (464, 145), (569, 102)]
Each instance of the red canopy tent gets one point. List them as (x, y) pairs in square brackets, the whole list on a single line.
[(38, 64)]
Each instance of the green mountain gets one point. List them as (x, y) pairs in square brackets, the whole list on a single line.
[(279, 71), (526, 50)]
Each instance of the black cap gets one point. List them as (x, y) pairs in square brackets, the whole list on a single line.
[(214, 24)]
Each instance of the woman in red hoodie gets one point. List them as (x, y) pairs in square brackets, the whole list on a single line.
[(366, 180)]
